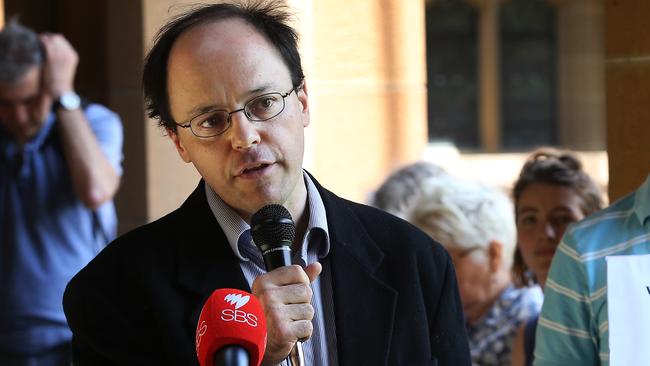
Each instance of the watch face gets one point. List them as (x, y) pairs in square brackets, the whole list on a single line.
[(70, 101)]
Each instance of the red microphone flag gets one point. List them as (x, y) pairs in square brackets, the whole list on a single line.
[(231, 317)]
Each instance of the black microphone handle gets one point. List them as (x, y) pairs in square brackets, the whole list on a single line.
[(277, 257), (231, 355)]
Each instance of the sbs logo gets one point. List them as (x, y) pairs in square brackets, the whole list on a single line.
[(237, 300), (236, 315)]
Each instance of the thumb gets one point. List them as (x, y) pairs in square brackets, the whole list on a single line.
[(313, 270)]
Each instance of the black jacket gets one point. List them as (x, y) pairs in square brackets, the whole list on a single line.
[(395, 294)]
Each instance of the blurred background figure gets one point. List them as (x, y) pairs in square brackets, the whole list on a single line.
[(552, 192), (59, 170), (476, 225), (398, 194), (593, 313)]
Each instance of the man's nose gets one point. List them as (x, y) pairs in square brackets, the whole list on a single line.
[(20, 113), (243, 132)]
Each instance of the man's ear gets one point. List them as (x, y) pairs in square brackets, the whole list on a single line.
[(173, 135), (304, 102), (495, 252)]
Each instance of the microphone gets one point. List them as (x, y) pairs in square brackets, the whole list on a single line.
[(231, 330), (273, 232)]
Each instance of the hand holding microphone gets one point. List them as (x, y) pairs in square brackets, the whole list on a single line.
[(286, 298), (284, 291)]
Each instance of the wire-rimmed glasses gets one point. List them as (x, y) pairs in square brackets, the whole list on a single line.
[(261, 108)]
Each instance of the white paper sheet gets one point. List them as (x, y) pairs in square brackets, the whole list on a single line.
[(628, 302)]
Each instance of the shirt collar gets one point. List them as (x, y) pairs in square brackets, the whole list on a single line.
[(317, 220), (234, 226), (642, 201)]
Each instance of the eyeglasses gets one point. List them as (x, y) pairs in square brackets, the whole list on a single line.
[(259, 109)]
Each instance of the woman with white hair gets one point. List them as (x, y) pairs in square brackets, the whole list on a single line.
[(476, 225)]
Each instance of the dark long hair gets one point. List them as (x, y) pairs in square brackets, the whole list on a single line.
[(558, 168)]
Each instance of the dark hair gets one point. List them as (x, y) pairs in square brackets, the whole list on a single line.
[(558, 168), (20, 50), (270, 18)]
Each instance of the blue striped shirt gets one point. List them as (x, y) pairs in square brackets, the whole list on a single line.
[(573, 326), (320, 349)]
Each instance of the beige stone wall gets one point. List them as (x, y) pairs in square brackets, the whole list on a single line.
[(155, 179), (171, 180), (627, 45), (365, 67)]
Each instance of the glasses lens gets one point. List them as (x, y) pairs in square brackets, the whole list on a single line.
[(209, 124), (264, 107)]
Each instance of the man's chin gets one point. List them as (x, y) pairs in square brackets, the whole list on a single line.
[(26, 135)]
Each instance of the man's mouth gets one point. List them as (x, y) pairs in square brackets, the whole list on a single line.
[(255, 170)]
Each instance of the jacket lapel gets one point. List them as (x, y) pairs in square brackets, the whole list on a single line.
[(364, 305), (205, 260)]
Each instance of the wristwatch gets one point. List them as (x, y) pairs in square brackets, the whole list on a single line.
[(68, 101)]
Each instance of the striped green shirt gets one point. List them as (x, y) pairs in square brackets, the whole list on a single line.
[(573, 326)]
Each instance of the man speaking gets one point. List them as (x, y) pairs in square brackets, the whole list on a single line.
[(226, 83)]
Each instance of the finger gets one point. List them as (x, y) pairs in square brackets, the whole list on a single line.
[(283, 336), (299, 293), (57, 46), (301, 330), (298, 312), (283, 276), (290, 313), (313, 270), (46, 41)]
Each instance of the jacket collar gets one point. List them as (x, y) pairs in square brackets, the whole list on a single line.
[(206, 262)]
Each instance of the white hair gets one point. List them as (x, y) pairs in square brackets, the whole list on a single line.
[(399, 193), (465, 215)]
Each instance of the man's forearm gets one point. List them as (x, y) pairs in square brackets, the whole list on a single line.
[(94, 178)]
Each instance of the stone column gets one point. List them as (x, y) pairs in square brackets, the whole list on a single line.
[(580, 73), (489, 74), (155, 179), (627, 70), (367, 73)]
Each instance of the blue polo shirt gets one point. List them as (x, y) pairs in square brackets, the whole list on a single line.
[(46, 233)]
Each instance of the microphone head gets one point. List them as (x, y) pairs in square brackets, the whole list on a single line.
[(272, 226), (231, 317)]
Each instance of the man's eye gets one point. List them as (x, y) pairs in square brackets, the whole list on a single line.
[(209, 123), (265, 103)]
